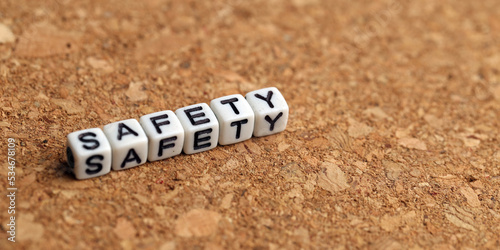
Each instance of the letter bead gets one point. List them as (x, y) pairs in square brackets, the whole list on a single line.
[(128, 142), (236, 118), (270, 109), (88, 153), (192, 129), (201, 128), (165, 134)]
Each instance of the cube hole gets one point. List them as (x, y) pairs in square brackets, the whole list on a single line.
[(71, 159)]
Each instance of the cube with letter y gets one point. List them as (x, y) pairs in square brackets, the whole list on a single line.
[(88, 153), (270, 109)]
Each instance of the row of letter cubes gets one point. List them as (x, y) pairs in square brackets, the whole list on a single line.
[(192, 129)]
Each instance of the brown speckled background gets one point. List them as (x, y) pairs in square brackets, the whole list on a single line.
[(392, 141)]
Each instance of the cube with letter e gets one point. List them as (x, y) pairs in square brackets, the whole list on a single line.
[(201, 128)]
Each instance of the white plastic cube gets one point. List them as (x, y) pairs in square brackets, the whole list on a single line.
[(201, 128), (165, 134), (128, 142), (88, 153), (270, 109), (236, 118)]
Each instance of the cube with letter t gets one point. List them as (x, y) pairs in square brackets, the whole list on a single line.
[(201, 128), (236, 118), (270, 109)]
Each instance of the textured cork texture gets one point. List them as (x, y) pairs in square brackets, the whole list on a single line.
[(392, 140)]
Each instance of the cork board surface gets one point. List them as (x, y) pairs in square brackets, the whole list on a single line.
[(392, 141)]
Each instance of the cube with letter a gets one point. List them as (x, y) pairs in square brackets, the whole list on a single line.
[(129, 143)]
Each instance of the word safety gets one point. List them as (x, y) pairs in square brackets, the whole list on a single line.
[(196, 128)]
